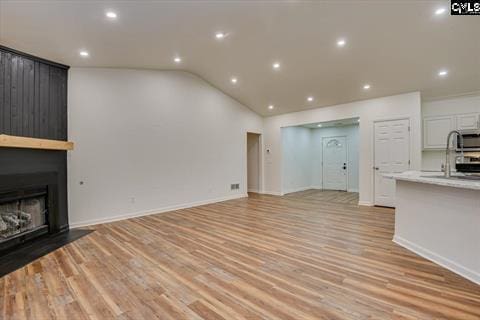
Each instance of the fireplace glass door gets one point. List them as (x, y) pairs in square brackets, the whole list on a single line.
[(21, 212)]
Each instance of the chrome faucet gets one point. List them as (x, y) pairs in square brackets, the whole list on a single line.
[(447, 151)]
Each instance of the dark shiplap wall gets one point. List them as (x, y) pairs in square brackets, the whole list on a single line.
[(33, 103), (33, 96)]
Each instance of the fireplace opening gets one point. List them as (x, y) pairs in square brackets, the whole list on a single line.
[(23, 212)]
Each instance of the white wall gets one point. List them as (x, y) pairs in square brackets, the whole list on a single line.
[(433, 159), (399, 106), (459, 105), (296, 159), (302, 156), (352, 135), (253, 162), (148, 141)]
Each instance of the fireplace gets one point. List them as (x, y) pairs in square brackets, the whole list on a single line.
[(23, 211), (33, 158), (28, 207)]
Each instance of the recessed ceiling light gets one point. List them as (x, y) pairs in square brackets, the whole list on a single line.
[(111, 15), (276, 65), (319, 125), (220, 35), (440, 11), (341, 42), (234, 80), (270, 107), (84, 53), (443, 73), (366, 87), (177, 59), (310, 99)]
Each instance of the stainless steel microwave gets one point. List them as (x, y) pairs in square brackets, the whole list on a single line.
[(471, 140)]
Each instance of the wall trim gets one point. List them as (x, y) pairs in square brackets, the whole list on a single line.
[(365, 203), (452, 96), (273, 193), (321, 188), (254, 190), (153, 211), (276, 193), (296, 190), (438, 259)]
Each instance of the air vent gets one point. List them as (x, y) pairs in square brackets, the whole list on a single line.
[(234, 186)]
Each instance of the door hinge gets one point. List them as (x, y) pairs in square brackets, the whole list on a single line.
[(408, 162), (408, 128)]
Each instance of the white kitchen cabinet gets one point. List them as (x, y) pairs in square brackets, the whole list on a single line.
[(436, 129), (468, 121)]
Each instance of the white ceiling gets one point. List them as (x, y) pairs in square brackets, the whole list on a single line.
[(328, 124), (396, 46)]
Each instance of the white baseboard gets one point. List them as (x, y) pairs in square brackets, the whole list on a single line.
[(297, 190), (304, 189), (91, 222), (273, 193), (438, 259), (365, 203), (308, 188)]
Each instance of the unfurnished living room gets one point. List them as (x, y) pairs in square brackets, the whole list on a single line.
[(239, 159)]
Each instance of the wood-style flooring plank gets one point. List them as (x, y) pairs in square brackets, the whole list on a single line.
[(307, 255)]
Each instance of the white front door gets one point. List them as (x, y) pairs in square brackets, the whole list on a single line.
[(392, 155), (335, 163)]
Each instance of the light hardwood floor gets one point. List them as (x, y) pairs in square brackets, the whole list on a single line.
[(309, 255)]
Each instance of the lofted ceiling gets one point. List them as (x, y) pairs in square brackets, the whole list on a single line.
[(394, 46)]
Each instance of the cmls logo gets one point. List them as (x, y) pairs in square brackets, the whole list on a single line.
[(466, 7)]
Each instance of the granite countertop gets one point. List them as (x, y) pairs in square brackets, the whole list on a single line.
[(435, 178)]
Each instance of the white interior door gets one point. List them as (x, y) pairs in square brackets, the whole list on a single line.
[(392, 155), (335, 163)]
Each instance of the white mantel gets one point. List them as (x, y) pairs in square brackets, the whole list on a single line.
[(439, 219)]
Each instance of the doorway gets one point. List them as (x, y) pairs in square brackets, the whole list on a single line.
[(321, 156), (334, 151), (253, 162), (392, 155)]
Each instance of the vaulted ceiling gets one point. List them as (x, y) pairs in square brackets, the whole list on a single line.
[(394, 46)]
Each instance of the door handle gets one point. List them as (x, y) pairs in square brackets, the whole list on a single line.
[(376, 168)]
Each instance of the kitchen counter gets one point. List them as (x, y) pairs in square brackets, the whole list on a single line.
[(439, 219), (436, 178)]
